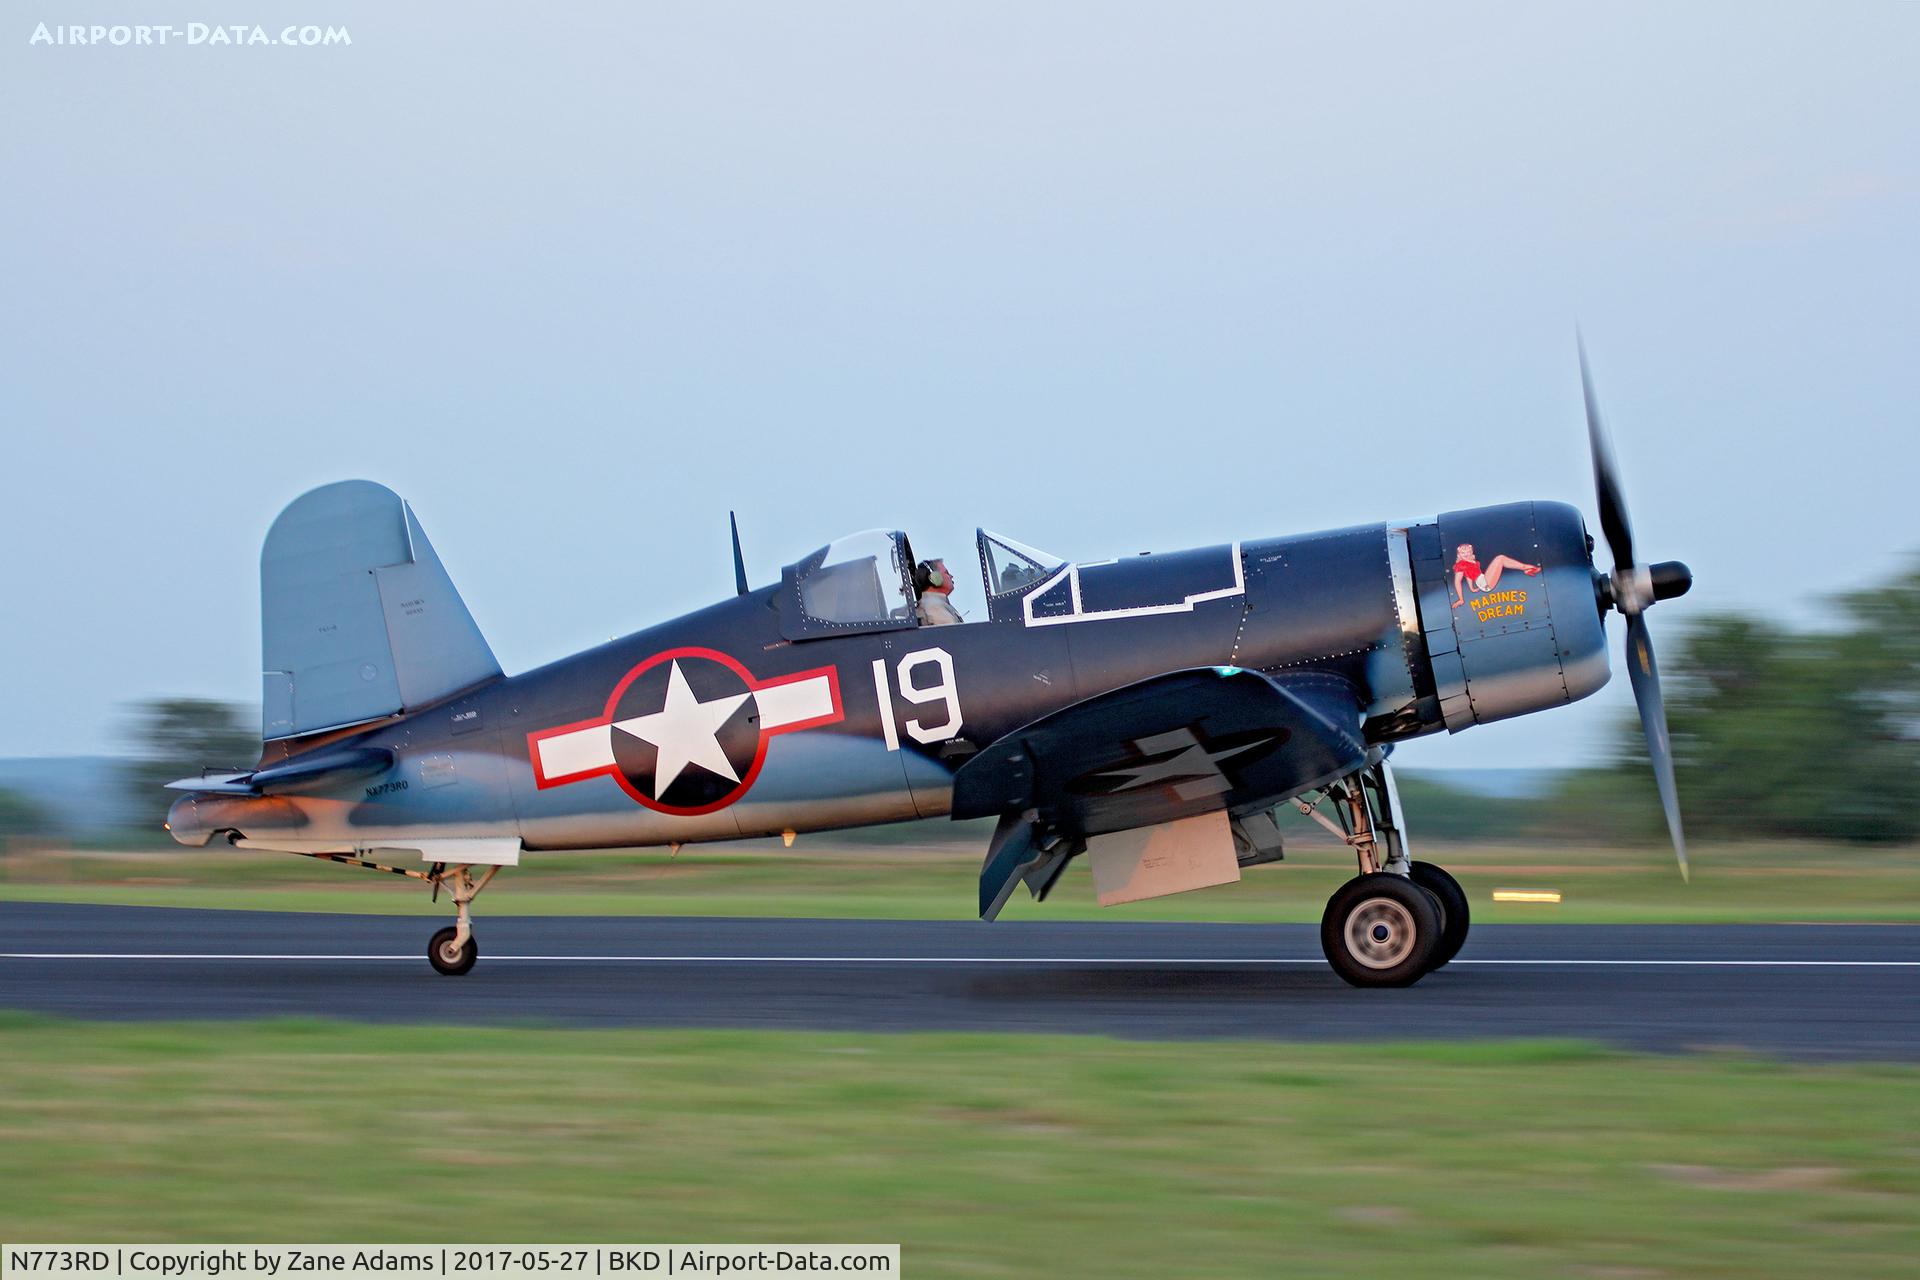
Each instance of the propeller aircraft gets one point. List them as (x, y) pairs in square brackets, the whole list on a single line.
[(1151, 712)]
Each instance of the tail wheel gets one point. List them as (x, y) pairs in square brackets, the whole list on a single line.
[(1380, 930), (449, 958), (1454, 915)]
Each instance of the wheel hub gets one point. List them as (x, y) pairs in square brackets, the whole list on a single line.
[(1380, 933)]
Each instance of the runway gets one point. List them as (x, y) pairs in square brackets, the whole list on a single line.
[(1803, 991)]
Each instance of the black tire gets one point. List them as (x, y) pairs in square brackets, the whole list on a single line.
[(442, 956), (1454, 915), (1380, 930)]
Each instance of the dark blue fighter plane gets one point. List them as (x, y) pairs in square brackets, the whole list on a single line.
[(1150, 712)]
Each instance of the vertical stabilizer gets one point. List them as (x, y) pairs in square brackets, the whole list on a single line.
[(358, 617)]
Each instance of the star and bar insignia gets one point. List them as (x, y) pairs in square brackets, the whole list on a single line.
[(685, 732)]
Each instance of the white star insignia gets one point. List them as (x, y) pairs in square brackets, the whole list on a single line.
[(686, 731), (1189, 769)]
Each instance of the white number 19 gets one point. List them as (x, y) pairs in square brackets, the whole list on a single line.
[(944, 691)]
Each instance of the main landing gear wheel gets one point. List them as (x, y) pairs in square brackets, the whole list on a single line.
[(1454, 915), (1380, 930), (449, 956)]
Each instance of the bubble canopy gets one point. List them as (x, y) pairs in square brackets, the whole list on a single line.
[(860, 582)]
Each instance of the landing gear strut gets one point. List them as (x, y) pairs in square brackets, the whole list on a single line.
[(452, 951), (1398, 920)]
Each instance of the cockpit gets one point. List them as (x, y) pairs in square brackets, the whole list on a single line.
[(862, 582), (860, 579), (870, 581)]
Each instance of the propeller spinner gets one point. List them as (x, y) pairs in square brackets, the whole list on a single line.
[(1632, 589)]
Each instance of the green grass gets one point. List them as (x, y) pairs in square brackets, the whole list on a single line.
[(826, 877), (985, 1156)]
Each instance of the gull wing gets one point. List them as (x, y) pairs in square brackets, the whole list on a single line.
[(1174, 746)]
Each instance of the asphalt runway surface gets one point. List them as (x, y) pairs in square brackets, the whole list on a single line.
[(1803, 991)]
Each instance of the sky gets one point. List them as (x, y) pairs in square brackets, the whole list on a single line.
[(1102, 277)]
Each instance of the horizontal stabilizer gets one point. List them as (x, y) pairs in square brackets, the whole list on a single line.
[(317, 769), (324, 768), (358, 617), (226, 784)]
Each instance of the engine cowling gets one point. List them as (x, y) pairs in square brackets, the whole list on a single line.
[(1508, 607)]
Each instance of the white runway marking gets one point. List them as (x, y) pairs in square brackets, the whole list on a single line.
[(1140, 961)]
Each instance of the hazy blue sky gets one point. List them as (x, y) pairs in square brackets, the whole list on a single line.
[(576, 279)]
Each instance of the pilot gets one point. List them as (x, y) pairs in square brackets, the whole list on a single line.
[(935, 586)]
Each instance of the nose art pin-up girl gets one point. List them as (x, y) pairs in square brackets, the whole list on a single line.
[(1468, 575)]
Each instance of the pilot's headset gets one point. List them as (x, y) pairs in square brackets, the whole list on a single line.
[(928, 576)]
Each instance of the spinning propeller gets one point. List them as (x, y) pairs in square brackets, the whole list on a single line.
[(1632, 589)]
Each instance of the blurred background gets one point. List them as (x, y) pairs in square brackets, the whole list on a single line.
[(1101, 277)]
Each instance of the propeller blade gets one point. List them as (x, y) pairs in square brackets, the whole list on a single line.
[(1606, 475), (1645, 674)]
